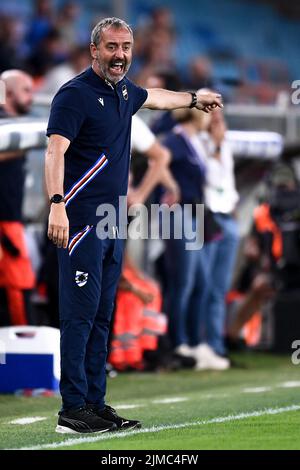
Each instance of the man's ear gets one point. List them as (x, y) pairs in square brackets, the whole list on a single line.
[(93, 50)]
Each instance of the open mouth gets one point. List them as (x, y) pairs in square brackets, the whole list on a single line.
[(117, 67)]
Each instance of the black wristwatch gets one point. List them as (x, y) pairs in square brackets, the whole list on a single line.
[(194, 99), (57, 198)]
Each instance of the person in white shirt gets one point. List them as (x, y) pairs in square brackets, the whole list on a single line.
[(60, 74), (221, 198)]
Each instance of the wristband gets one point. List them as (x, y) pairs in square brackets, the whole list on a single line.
[(194, 99)]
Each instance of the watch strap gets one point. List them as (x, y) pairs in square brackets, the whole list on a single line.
[(194, 99)]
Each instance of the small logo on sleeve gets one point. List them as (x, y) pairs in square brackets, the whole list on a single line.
[(101, 101), (125, 92), (81, 278)]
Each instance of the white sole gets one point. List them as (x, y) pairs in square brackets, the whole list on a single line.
[(64, 430)]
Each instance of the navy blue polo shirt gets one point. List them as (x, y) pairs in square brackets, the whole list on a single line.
[(187, 168), (96, 117)]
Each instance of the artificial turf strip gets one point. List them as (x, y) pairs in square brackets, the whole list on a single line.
[(260, 433), (208, 395)]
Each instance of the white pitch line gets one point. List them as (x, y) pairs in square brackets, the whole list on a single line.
[(257, 389), (121, 435), (155, 402), (28, 420), (290, 384), (129, 407), (216, 395), (169, 400)]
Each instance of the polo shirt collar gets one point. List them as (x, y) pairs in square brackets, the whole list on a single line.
[(100, 82)]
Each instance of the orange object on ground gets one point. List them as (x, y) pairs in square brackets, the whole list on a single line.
[(125, 346), (136, 325)]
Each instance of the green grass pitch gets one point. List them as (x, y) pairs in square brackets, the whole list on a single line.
[(254, 405)]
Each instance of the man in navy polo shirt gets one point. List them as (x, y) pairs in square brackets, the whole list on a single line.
[(87, 164)]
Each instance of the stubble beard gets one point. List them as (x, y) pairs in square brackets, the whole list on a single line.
[(103, 69)]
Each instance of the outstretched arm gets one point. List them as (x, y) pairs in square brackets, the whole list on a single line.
[(159, 98)]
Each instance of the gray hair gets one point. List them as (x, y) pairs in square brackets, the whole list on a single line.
[(107, 23)]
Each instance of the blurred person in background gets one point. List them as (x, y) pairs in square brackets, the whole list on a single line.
[(16, 274), (136, 321), (66, 23), (52, 38), (187, 269), (57, 76), (41, 24), (140, 43), (162, 18), (200, 74), (144, 142), (272, 250), (221, 199), (10, 48), (253, 289), (155, 41), (50, 52), (160, 122), (159, 51)]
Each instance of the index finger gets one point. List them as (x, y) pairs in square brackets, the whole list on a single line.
[(218, 102)]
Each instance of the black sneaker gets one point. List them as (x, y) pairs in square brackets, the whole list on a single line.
[(110, 414), (82, 420)]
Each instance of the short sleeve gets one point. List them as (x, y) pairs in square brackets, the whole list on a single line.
[(141, 136), (139, 96), (67, 113)]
